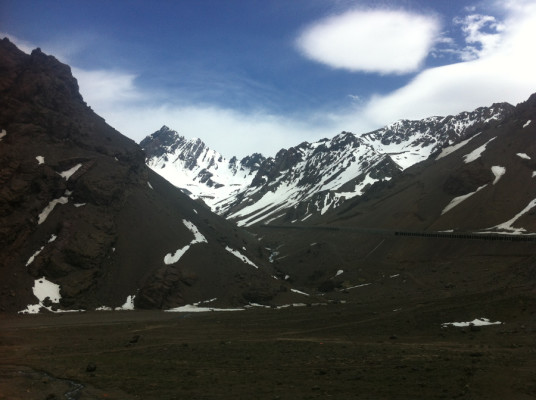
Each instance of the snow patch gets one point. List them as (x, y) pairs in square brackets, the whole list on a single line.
[(48, 209), (67, 174), (2, 134), (523, 156), (150, 186), (357, 286), (40, 160), (451, 149), (498, 172), (508, 224), (239, 255), (173, 258), (198, 238), (299, 292), (32, 258), (44, 289), (527, 123), (476, 153), (291, 305), (457, 200), (475, 322), (129, 304), (196, 308)]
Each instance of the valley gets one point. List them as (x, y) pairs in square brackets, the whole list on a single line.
[(393, 264), (367, 348)]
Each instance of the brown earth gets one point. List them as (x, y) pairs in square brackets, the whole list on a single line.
[(370, 347)]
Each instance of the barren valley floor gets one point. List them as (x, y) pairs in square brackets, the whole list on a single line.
[(356, 350)]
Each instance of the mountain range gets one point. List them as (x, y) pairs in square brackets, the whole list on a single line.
[(411, 197), (311, 178), (441, 208)]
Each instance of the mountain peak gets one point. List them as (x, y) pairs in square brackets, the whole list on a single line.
[(314, 177)]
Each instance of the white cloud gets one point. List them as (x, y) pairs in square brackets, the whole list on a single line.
[(385, 42), (503, 72), (107, 88), (482, 35), (230, 132), (136, 113)]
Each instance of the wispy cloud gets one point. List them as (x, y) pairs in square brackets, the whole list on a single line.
[(228, 131), (482, 35), (502, 70), (499, 67), (107, 89), (378, 41)]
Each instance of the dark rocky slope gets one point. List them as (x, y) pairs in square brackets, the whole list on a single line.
[(79, 208)]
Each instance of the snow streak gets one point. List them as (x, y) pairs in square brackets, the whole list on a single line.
[(457, 200), (476, 153), (198, 238), (242, 257)]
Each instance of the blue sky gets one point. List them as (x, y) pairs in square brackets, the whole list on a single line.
[(255, 76)]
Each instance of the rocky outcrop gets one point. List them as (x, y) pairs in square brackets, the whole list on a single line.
[(84, 223)]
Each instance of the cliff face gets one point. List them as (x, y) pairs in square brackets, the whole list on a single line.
[(84, 223)]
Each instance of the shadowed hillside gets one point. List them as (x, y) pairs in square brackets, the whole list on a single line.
[(85, 224)]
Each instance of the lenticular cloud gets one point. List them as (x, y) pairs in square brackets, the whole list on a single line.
[(386, 42)]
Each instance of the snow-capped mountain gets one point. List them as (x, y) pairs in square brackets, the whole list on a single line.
[(199, 171), (409, 142), (311, 178)]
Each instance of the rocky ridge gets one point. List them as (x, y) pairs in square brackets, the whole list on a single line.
[(197, 170), (309, 179), (85, 224)]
